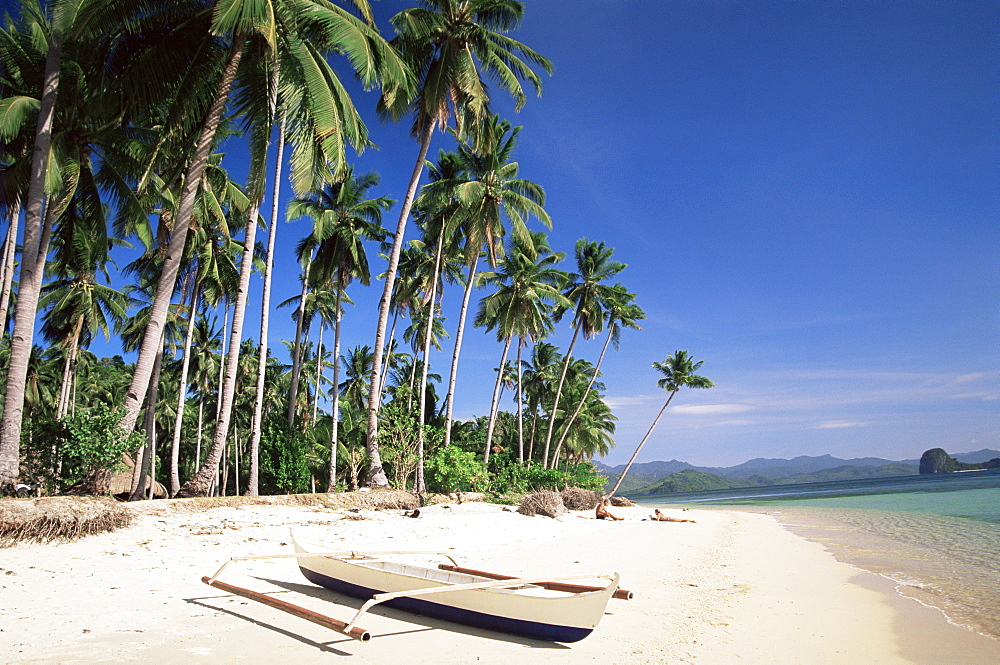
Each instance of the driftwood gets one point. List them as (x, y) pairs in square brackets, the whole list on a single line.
[(549, 504)]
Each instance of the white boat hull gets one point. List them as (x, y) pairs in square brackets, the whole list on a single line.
[(529, 611)]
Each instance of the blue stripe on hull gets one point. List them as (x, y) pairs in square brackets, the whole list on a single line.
[(532, 629)]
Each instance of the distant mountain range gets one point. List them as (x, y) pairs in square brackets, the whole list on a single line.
[(649, 477)]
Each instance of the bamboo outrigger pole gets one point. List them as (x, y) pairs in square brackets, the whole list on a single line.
[(620, 594), (309, 615)]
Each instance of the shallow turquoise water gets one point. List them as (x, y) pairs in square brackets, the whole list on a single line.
[(937, 537), (972, 495)]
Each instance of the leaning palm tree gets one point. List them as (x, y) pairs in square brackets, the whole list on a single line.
[(590, 297), (449, 45), (678, 371)]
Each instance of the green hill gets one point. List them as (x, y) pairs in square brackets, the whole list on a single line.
[(690, 480)]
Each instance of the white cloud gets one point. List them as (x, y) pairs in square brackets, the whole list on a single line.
[(839, 424), (629, 400), (711, 409)]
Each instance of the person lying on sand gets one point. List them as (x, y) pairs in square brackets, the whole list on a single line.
[(603, 513), (660, 517)]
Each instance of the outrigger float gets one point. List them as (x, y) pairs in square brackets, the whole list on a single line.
[(543, 608)]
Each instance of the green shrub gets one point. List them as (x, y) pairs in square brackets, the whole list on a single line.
[(452, 469), (284, 468), (90, 445)]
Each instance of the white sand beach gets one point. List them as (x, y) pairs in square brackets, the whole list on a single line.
[(734, 587)]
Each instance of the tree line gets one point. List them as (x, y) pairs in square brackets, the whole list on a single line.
[(114, 117)]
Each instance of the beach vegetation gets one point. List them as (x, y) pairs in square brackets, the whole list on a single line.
[(101, 160), (448, 46), (283, 461), (83, 450), (451, 469)]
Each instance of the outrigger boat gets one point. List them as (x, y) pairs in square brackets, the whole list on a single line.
[(551, 609)]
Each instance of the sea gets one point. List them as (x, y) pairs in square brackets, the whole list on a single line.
[(936, 536)]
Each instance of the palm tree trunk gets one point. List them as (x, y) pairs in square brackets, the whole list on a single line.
[(495, 405), (297, 349), (583, 400), (419, 483), (520, 404), (376, 474), (319, 370), (175, 444), (639, 447), (7, 279), (72, 348), (147, 468), (199, 485), (531, 439), (390, 344), (223, 355), (453, 376), (197, 445), (412, 383), (265, 308), (175, 249), (555, 400), (331, 485), (30, 276)]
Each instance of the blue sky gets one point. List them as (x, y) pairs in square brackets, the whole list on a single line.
[(805, 194)]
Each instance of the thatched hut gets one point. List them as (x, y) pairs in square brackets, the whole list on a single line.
[(120, 487)]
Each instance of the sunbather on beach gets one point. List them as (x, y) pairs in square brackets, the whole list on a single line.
[(660, 517), (603, 513)]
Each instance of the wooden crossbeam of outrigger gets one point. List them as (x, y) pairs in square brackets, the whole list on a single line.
[(337, 625), (620, 594), (296, 610), (350, 628)]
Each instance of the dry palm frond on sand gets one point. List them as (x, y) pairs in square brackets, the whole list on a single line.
[(59, 518)]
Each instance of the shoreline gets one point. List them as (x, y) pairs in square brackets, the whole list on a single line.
[(917, 571), (735, 586)]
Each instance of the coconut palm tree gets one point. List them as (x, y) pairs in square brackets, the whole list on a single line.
[(622, 312), (590, 432), (81, 37), (537, 382), (214, 271), (488, 190), (300, 31), (449, 45), (678, 371), (76, 304), (590, 297), (343, 219), (528, 289)]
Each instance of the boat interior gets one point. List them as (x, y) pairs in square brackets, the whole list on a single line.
[(449, 577)]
